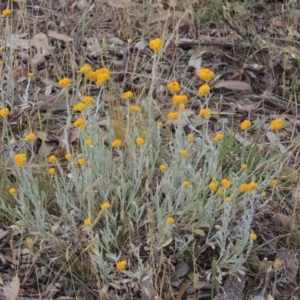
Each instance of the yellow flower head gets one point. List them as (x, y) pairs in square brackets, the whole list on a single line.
[(86, 69), (64, 83), (245, 188), (105, 205), (253, 185), (213, 185), (244, 167), (155, 44), (227, 199), (191, 138), (181, 107), (253, 237), (140, 141), (4, 112), (79, 123), (127, 95), (51, 171), (205, 113), (87, 222), (204, 89), (186, 184), (170, 220), (179, 99), (218, 137), (30, 74), (12, 191), (276, 124), (173, 87), (52, 159), (245, 125), (68, 156), (88, 100), (79, 106), (92, 76), (206, 74), (103, 73), (273, 182), (81, 161), (226, 183), (30, 137), (100, 80), (89, 142), (116, 143), (184, 153), (162, 168), (219, 193), (134, 108), (121, 265), (20, 159), (173, 115), (6, 13), (159, 123)]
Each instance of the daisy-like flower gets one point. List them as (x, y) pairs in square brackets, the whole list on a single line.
[(173, 115), (79, 123), (51, 171), (79, 106), (184, 153), (88, 100), (204, 90), (173, 87), (179, 99), (170, 220), (205, 113), (64, 83), (191, 138), (87, 222), (276, 124), (6, 13), (206, 74), (253, 237), (116, 143), (12, 191), (134, 108), (52, 159), (245, 125), (162, 168), (4, 112), (218, 137), (105, 205), (186, 184), (20, 159), (89, 142), (68, 156), (226, 183), (140, 141), (30, 137), (127, 95), (81, 161), (155, 44), (121, 265)]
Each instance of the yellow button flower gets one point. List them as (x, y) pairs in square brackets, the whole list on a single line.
[(121, 265), (6, 13), (162, 168), (134, 108), (204, 90), (170, 220), (88, 142), (51, 171), (20, 159), (184, 153), (79, 106), (86, 69), (88, 100), (140, 141), (30, 137), (30, 74), (116, 143), (213, 185), (191, 138), (179, 99), (244, 167), (156, 44), (173, 87), (173, 115), (253, 237), (276, 124), (218, 137), (219, 193), (64, 83), (206, 74), (227, 199), (12, 191), (205, 113), (87, 222), (245, 125), (127, 95), (52, 159), (226, 183), (4, 112), (105, 205), (273, 182), (79, 123), (68, 156), (245, 188), (186, 184), (81, 161)]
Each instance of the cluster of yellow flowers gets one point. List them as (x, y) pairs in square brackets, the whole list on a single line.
[(156, 44), (276, 124), (100, 76), (6, 13), (247, 187)]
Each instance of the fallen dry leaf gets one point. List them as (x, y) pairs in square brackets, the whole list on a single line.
[(249, 107), (233, 85), (40, 42), (59, 36), (289, 174), (11, 291)]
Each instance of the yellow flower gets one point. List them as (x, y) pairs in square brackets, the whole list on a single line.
[(87, 222), (173, 115), (30, 74), (170, 220), (244, 167), (88, 100), (81, 161), (101, 79), (245, 125), (64, 83), (159, 124), (203, 90), (68, 156), (253, 237), (218, 137), (181, 107), (155, 44), (227, 199), (92, 76), (219, 193), (276, 124), (179, 99), (206, 74), (140, 141), (104, 73), (213, 185), (173, 87), (4, 112), (245, 188), (20, 159), (1, 63), (52, 159), (127, 95), (79, 106), (134, 108), (30, 137), (89, 142), (226, 183), (162, 168), (121, 265), (12, 191), (273, 182), (105, 205), (205, 113), (253, 185), (86, 69), (186, 184), (191, 138), (6, 13), (184, 153), (51, 171), (116, 143), (79, 123)]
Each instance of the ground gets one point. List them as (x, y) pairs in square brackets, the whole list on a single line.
[(116, 184)]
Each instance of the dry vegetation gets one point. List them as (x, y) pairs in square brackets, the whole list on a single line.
[(123, 200)]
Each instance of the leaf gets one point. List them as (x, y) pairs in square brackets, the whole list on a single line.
[(233, 85), (40, 42), (11, 290), (184, 117), (59, 36), (249, 107)]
